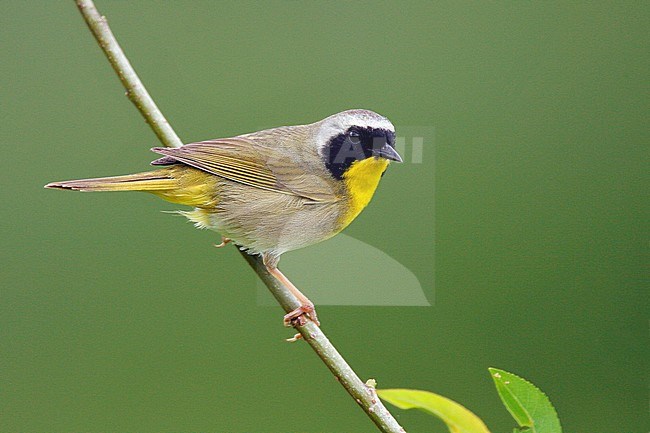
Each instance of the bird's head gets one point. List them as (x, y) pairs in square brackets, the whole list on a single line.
[(348, 137)]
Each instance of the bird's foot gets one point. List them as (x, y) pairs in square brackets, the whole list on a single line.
[(224, 241), (297, 316)]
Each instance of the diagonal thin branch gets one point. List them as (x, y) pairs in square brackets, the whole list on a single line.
[(364, 395), (135, 90)]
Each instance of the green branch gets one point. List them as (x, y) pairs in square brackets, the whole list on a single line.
[(135, 90), (364, 395)]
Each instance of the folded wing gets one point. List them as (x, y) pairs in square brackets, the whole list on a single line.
[(240, 160)]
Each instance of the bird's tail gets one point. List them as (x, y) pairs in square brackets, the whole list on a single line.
[(157, 180), (176, 184)]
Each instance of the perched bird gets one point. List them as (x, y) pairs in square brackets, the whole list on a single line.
[(274, 190)]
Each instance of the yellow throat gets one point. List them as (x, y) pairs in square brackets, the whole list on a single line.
[(361, 181)]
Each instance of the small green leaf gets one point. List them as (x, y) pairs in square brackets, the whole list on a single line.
[(457, 418), (526, 403)]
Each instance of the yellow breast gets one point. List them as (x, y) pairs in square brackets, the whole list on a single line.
[(361, 181)]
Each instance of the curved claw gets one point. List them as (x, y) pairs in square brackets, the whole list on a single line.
[(294, 338), (297, 316), (224, 241)]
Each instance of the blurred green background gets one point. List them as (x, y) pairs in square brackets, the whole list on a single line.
[(526, 223)]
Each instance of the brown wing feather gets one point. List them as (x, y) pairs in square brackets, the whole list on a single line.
[(239, 160)]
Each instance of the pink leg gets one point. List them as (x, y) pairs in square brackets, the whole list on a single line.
[(306, 306)]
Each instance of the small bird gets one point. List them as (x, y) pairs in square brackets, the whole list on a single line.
[(271, 191)]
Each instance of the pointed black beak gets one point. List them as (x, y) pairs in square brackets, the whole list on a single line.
[(387, 151)]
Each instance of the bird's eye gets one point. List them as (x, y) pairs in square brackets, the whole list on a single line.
[(354, 134)]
